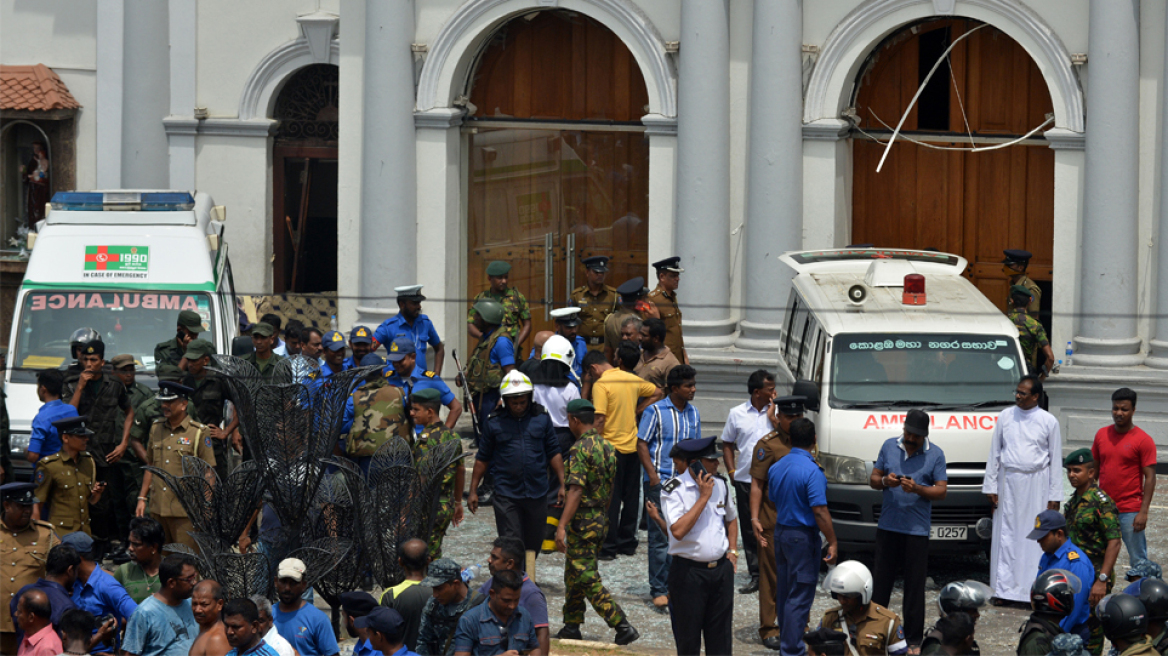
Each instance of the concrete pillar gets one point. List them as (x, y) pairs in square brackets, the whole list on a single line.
[(111, 30), (703, 172), (1108, 333), (774, 183), (1158, 347), (181, 125), (389, 173)]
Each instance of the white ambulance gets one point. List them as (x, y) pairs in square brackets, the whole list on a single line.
[(124, 263), (882, 331)]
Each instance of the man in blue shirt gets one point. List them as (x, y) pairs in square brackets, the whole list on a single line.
[(241, 623), (386, 630), (410, 322), (60, 572), (332, 359), (402, 357), (798, 489), (911, 471), (164, 624), (96, 590), (1058, 552), (507, 554), (498, 626), (45, 440), (567, 322), (357, 604), (361, 344), (304, 626)]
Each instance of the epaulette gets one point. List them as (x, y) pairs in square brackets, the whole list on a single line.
[(429, 374), (198, 425), (158, 421), (670, 485), (85, 454), (881, 610), (53, 458), (1102, 495), (43, 524), (1072, 555)]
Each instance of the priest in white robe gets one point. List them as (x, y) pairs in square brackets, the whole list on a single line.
[(1023, 477)]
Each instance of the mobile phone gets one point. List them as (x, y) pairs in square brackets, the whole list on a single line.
[(696, 470)]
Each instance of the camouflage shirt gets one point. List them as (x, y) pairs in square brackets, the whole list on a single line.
[(514, 306), (379, 410), (1031, 335), (592, 466), (1092, 521), (434, 435)]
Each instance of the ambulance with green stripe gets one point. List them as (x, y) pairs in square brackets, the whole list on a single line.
[(124, 263)]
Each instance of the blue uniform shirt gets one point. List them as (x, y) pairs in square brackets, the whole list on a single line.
[(518, 452), (905, 512), (101, 594), (420, 379), (46, 440), (796, 486), (364, 648), (422, 332), (579, 347), (1072, 559), (503, 352)]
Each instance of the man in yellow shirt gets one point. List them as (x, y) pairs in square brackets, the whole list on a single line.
[(619, 398)]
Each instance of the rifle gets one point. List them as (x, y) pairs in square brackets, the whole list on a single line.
[(467, 399)]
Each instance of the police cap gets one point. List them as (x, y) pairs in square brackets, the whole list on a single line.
[(790, 405), (409, 293), (498, 268), (21, 493), (1047, 521), (169, 390), (1017, 256), (632, 289), (357, 603), (1079, 457), (669, 264), (567, 316), (598, 263), (73, 426), (702, 447), (360, 335)]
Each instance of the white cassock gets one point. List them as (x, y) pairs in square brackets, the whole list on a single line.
[(1025, 471)]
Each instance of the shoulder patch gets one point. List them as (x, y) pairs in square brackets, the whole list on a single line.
[(670, 485), (760, 454), (207, 441), (40, 475), (1072, 555), (430, 374)]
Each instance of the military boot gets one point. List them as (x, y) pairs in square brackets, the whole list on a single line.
[(570, 632), (625, 633)]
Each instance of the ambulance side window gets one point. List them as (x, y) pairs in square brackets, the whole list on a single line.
[(820, 357), (792, 306), (797, 337)]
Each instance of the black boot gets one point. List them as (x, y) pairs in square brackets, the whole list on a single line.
[(749, 588), (625, 633), (120, 555), (570, 632)]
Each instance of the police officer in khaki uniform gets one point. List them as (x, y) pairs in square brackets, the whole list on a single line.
[(631, 293), (172, 437), (24, 546), (596, 301), (872, 629), (767, 451), (67, 480), (1014, 266), (664, 297)]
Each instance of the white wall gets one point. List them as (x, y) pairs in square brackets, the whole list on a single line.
[(237, 174), (146, 100)]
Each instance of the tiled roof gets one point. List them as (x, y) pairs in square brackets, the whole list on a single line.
[(33, 88)]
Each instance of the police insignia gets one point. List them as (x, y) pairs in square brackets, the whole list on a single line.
[(1037, 523), (761, 455), (337, 337), (40, 476), (670, 485), (207, 441), (430, 374), (361, 332), (1072, 555)]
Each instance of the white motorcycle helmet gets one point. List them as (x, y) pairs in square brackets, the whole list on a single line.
[(515, 383), (851, 577), (557, 347)]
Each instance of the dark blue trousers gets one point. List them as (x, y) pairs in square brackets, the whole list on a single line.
[(797, 566)]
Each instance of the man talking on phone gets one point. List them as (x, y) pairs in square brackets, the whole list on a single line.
[(911, 472)]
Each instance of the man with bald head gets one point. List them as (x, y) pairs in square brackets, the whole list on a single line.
[(409, 597), (531, 364), (33, 615), (207, 601)]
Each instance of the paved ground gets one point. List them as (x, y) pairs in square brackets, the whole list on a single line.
[(627, 579)]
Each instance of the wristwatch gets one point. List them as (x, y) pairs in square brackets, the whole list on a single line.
[(1104, 577), (732, 551)]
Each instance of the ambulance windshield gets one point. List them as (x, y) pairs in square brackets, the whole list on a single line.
[(911, 370)]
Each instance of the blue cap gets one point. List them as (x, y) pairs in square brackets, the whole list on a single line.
[(80, 541), (371, 359), (382, 620), (21, 493), (360, 335), (1047, 521), (702, 447), (333, 341), (399, 348)]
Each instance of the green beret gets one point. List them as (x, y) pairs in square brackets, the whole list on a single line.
[(190, 320), (1079, 457), (498, 268), (1020, 289), (199, 348), (428, 394), (576, 406), (263, 329)]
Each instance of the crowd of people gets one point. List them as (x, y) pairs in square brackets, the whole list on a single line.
[(572, 443)]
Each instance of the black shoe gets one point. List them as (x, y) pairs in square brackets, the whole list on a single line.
[(625, 633), (628, 552), (773, 643), (570, 632), (749, 588), (606, 556), (120, 555)]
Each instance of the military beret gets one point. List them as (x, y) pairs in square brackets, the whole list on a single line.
[(123, 360), (73, 426), (498, 268), (199, 348), (21, 493), (1020, 289), (263, 329), (632, 289), (333, 340), (92, 348), (427, 394), (597, 263), (1017, 255), (669, 264), (1079, 457), (360, 335), (580, 405), (190, 320), (169, 390)]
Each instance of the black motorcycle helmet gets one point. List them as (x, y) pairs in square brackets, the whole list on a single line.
[(1054, 592), (80, 338), (1154, 596), (1122, 617), (963, 597)]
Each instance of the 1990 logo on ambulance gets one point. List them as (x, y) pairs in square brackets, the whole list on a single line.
[(127, 261)]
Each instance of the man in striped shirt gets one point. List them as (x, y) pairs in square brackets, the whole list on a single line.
[(663, 424)]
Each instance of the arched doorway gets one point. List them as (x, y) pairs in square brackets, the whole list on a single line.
[(558, 158), (304, 175), (972, 203)]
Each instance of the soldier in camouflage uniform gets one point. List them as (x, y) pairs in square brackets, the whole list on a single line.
[(375, 411), (516, 322), (424, 407), (596, 301), (1031, 334), (589, 477), (1093, 525)]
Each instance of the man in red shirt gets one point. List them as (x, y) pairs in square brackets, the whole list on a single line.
[(1127, 471)]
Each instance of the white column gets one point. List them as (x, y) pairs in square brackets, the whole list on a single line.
[(1108, 334), (181, 125), (703, 172), (1158, 347), (388, 175), (111, 30), (662, 134), (774, 184)]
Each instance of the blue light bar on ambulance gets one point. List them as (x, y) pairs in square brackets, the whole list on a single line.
[(122, 201)]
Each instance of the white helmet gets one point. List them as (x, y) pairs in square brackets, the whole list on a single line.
[(851, 577), (557, 347), (515, 383)]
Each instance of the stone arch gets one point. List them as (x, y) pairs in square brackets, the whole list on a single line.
[(267, 79), (452, 56), (829, 90)]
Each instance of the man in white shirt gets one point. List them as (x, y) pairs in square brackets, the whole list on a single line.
[(745, 425), (703, 541), (1023, 477), (268, 628)]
